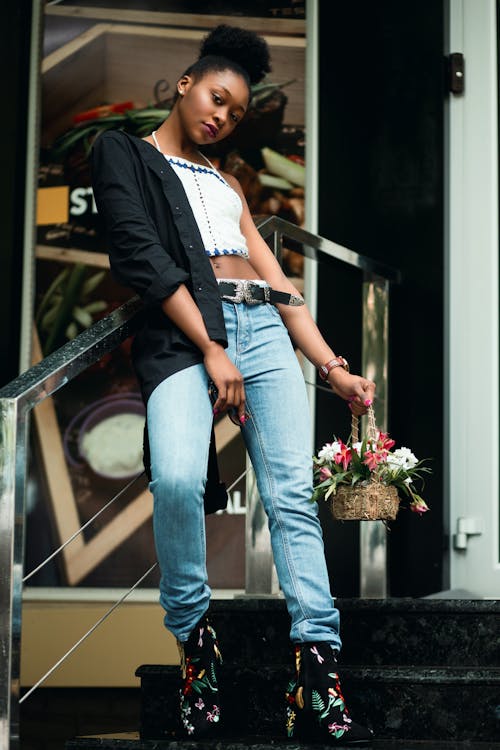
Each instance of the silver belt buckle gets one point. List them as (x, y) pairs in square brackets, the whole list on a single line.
[(247, 293), (239, 292)]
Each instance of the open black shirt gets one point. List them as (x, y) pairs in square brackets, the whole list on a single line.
[(154, 246)]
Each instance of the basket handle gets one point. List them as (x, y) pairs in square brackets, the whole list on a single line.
[(371, 432)]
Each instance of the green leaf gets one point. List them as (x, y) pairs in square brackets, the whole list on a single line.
[(317, 701), (71, 295), (82, 316), (50, 316), (277, 183), (92, 282), (282, 167), (324, 713), (261, 90), (330, 491), (356, 462), (71, 331), (96, 307), (325, 483)]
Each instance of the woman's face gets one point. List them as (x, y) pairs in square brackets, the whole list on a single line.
[(212, 106)]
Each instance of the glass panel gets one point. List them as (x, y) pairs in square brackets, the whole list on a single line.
[(115, 64)]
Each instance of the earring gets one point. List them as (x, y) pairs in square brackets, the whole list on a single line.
[(181, 92)]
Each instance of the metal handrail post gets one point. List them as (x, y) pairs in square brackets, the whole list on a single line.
[(13, 468), (278, 245), (375, 363)]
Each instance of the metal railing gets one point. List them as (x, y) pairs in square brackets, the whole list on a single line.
[(18, 398)]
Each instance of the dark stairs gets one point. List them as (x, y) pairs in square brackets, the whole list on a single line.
[(423, 673)]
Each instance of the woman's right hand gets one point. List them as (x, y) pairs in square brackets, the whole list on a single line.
[(227, 379)]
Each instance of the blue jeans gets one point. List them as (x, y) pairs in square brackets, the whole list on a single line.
[(277, 439)]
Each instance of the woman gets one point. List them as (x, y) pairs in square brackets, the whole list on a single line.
[(218, 313)]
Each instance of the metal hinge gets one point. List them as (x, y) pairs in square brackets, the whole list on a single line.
[(456, 73), (467, 527)]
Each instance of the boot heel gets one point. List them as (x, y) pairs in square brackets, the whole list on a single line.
[(298, 725)]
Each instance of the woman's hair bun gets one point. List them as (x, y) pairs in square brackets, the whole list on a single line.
[(245, 48)]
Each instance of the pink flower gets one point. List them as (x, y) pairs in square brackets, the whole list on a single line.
[(337, 727), (343, 456), (324, 473), (419, 506), (199, 704), (214, 716), (372, 459), (385, 442)]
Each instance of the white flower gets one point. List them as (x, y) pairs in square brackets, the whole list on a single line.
[(410, 459), (402, 458), (408, 480), (395, 462), (357, 447), (329, 450)]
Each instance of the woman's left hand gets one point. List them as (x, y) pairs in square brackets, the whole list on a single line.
[(358, 391)]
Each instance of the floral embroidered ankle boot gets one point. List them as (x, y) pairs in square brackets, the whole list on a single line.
[(316, 708), (199, 694)]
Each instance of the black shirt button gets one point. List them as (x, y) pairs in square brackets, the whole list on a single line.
[(190, 247), (200, 288)]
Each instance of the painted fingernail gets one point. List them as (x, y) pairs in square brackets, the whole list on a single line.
[(243, 419), (368, 402), (351, 399), (216, 411)]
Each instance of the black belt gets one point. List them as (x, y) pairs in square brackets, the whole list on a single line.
[(247, 291)]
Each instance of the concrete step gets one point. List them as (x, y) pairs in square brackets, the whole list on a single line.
[(132, 741), (404, 703), (401, 632), (423, 673)]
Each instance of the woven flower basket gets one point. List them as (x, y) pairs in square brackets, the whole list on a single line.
[(365, 502), (371, 502)]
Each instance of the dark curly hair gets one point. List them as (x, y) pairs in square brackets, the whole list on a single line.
[(232, 48)]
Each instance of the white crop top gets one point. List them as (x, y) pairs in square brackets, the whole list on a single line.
[(215, 204)]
